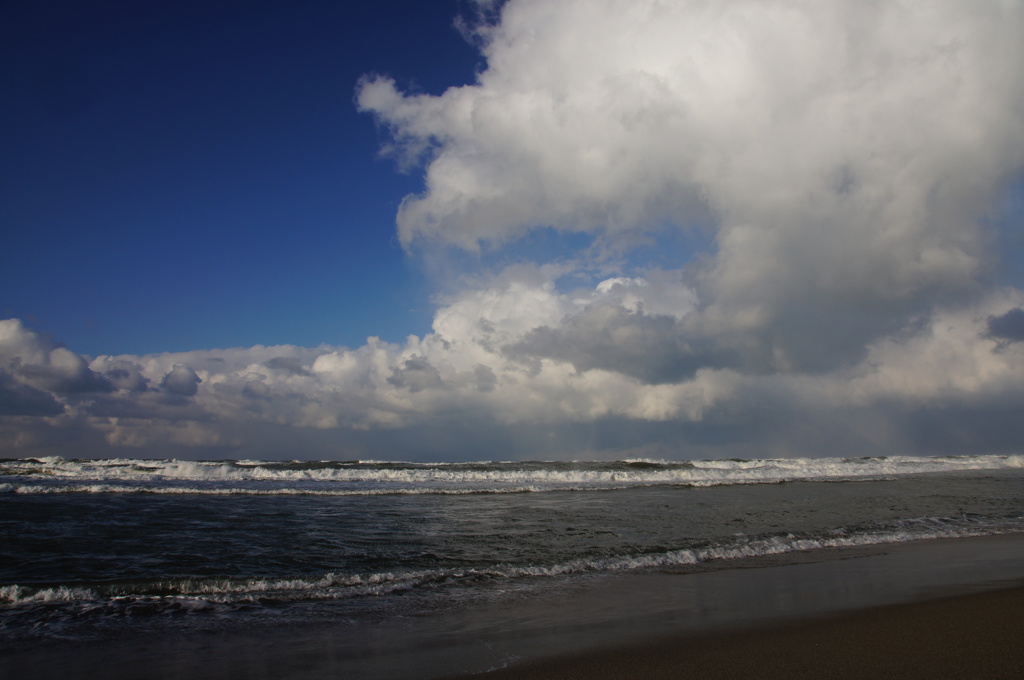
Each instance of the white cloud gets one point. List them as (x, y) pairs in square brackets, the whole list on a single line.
[(41, 364), (846, 153), (480, 373), (613, 114)]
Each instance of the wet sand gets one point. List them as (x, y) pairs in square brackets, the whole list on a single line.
[(972, 636)]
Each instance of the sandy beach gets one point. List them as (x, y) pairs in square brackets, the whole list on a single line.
[(964, 637)]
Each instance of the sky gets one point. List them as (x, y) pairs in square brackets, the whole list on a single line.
[(480, 230)]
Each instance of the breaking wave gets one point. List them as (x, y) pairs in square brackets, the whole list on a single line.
[(59, 475), (201, 594)]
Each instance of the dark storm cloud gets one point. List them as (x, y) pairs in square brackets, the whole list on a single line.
[(288, 364), (415, 374), (1008, 326), (653, 349), (181, 380), (66, 377), (126, 375), (18, 399), (485, 378)]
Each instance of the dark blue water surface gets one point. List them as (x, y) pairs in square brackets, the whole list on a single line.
[(92, 564)]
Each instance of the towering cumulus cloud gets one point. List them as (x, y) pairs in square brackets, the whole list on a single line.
[(848, 160)]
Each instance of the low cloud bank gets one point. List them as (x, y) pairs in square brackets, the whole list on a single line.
[(576, 368)]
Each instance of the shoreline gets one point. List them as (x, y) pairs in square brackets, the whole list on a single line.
[(768, 611), (966, 636)]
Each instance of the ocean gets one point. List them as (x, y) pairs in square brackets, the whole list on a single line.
[(96, 551)]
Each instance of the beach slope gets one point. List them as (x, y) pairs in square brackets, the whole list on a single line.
[(971, 636)]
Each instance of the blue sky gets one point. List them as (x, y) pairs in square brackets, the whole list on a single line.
[(493, 230), (183, 175)]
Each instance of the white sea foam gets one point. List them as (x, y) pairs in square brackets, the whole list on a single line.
[(196, 594), (17, 595), (55, 475)]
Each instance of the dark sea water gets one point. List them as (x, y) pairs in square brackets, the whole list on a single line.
[(99, 550)]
